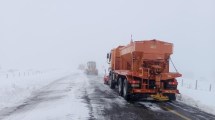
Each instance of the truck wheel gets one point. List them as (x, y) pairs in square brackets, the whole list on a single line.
[(111, 84), (120, 87), (172, 97), (125, 90)]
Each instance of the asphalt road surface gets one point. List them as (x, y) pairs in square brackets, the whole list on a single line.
[(81, 97)]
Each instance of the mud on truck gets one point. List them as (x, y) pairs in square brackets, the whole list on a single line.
[(141, 69)]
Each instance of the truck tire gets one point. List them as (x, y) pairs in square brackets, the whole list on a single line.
[(120, 87), (111, 83), (172, 97), (125, 90)]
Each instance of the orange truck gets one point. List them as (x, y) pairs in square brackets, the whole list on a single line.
[(141, 69)]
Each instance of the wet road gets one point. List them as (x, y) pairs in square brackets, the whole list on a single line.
[(86, 97), (140, 110)]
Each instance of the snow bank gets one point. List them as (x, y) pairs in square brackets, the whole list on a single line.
[(15, 87), (201, 95)]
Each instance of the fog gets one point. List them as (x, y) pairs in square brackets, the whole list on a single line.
[(43, 34)]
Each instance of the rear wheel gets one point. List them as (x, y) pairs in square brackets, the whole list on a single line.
[(172, 97), (125, 90), (120, 87), (111, 83)]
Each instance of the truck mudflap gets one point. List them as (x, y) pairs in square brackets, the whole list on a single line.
[(106, 78)]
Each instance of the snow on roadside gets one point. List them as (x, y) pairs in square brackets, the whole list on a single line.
[(65, 103), (201, 97), (14, 90)]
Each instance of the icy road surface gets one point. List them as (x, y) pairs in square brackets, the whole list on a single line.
[(81, 97)]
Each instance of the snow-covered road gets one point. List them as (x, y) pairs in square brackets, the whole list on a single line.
[(81, 97), (59, 100)]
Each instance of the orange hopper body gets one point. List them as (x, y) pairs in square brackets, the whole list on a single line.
[(142, 69)]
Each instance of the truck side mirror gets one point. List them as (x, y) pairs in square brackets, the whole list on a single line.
[(108, 56)]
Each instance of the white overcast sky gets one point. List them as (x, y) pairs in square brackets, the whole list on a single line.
[(63, 33)]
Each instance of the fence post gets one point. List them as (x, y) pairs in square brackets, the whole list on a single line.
[(196, 84), (182, 82), (210, 87)]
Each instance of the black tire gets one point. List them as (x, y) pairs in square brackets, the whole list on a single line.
[(125, 90), (120, 87), (172, 97), (111, 83)]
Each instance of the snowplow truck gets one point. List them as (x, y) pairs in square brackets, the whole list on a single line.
[(91, 68), (141, 70)]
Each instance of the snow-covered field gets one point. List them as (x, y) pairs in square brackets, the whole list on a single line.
[(16, 87), (60, 100), (70, 97), (201, 96)]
